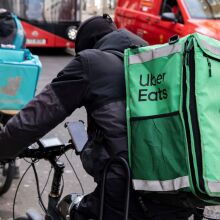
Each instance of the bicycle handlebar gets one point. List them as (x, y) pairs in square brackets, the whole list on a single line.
[(46, 152)]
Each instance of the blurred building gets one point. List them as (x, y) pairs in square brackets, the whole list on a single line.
[(98, 6)]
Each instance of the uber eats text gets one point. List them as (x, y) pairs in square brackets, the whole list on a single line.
[(152, 87)]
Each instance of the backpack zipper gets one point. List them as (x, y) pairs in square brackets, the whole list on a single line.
[(209, 64), (210, 67), (194, 119), (208, 57), (184, 110)]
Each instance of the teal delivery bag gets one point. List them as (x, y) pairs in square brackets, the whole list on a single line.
[(19, 73)]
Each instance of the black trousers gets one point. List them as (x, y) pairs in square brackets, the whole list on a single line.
[(114, 205)]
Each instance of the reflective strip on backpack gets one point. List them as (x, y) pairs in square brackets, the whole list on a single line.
[(214, 186), (161, 186), (211, 48), (158, 52)]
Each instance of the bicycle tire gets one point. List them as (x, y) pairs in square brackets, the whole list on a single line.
[(4, 187)]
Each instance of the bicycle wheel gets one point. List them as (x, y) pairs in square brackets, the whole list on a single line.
[(6, 169), (6, 176)]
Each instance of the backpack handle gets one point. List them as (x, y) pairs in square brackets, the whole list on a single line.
[(174, 39), (124, 164)]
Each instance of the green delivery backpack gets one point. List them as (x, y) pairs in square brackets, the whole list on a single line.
[(173, 117)]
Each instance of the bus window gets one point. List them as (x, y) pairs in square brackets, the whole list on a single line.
[(47, 23), (34, 10), (65, 14)]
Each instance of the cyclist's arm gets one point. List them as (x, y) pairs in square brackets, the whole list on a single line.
[(57, 101)]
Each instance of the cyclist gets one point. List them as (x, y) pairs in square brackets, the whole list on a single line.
[(94, 79), (11, 36), (11, 31)]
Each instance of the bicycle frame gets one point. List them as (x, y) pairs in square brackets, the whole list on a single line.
[(50, 154), (55, 194)]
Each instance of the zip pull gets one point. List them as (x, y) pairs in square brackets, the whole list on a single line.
[(187, 58), (184, 52), (210, 67), (188, 48)]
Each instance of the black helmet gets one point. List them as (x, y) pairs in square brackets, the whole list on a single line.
[(91, 30), (7, 24)]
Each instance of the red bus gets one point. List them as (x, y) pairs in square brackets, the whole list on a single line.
[(47, 23)]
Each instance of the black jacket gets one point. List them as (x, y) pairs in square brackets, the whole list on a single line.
[(94, 79)]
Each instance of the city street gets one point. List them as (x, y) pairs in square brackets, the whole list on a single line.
[(53, 61)]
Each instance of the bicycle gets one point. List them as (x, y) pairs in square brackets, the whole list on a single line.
[(51, 149), (46, 149)]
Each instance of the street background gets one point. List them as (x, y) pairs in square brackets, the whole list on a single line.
[(53, 61)]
